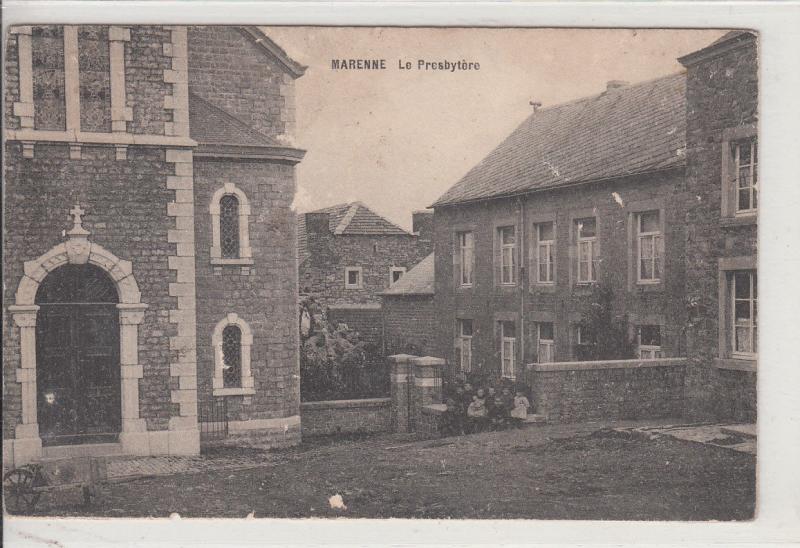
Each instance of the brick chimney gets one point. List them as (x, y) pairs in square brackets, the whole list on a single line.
[(616, 84), (318, 234), (422, 224)]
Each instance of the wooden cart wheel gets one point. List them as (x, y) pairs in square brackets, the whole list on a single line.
[(19, 495)]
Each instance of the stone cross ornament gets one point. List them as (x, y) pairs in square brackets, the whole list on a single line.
[(77, 243)]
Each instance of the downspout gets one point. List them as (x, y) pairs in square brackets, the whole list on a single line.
[(522, 282)]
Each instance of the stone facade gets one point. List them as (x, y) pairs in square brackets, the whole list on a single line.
[(722, 107), (564, 303), (346, 416), (409, 323), (328, 254), (145, 190)]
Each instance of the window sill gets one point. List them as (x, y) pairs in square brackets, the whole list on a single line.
[(241, 261), (234, 391), (738, 220), (353, 287), (537, 287), (736, 364), (647, 286)]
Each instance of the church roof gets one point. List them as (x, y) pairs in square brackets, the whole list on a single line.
[(623, 131), (353, 218), (209, 124), (417, 281)]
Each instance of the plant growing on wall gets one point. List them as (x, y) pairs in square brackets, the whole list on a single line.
[(604, 335), (335, 362)]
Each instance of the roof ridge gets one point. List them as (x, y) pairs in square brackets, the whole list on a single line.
[(384, 218)]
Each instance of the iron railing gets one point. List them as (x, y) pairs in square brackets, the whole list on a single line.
[(212, 416)]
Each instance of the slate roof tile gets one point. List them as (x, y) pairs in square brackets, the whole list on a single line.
[(417, 281), (624, 131)]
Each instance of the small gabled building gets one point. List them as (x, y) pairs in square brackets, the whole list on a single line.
[(585, 195), (348, 254), (408, 311)]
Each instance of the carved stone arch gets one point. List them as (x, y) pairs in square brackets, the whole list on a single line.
[(120, 270), (27, 445), (245, 251)]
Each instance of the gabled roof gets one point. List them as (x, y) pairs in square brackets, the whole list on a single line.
[(348, 219), (209, 124), (620, 132), (273, 50), (417, 281), (730, 40)]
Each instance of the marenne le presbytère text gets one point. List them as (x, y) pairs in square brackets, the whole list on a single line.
[(450, 65)]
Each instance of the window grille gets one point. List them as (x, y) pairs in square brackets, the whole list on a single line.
[(229, 226), (232, 356), (95, 78), (47, 49)]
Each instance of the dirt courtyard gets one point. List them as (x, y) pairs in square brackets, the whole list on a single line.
[(579, 472)]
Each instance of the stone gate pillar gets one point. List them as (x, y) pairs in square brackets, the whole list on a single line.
[(400, 365), (427, 384)]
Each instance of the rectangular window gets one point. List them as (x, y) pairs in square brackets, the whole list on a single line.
[(586, 230), (465, 345), (745, 159), (745, 313), (545, 265), (508, 340), (352, 277), (508, 255), (648, 246), (395, 273), (546, 342), (649, 342), (465, 252)]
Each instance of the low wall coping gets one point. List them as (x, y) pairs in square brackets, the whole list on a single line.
[(434, 409), (428, 360), (608, 364), (343, 404)]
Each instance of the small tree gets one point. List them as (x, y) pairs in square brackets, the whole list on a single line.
[(605, 336)]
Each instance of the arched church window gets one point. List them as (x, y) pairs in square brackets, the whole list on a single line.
[(232, 356), (229, 226), (230, 217)]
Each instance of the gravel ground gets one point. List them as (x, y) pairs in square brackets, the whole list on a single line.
[(579, 472)]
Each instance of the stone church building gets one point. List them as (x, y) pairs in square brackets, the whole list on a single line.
[(149, 242)]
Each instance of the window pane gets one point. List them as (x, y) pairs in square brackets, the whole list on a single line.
[(743, 341), (352, 277), (95, 78), (507, 235), (648, 221), (229, 226), (509, 329), (546, 331), (47, 49), (650, 335), (545, 231), (232, 356), (587, 228), (466, 327), (742, 283), (742, 310), (744, 153)]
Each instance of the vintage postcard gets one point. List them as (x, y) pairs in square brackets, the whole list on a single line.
[(380, 272)]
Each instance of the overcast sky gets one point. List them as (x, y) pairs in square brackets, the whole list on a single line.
[(396, 140)]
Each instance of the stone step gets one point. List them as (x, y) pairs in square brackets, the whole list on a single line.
[(83, 450), (535, 419)]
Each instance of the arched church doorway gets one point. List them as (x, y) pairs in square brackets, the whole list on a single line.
[(77, 356)]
